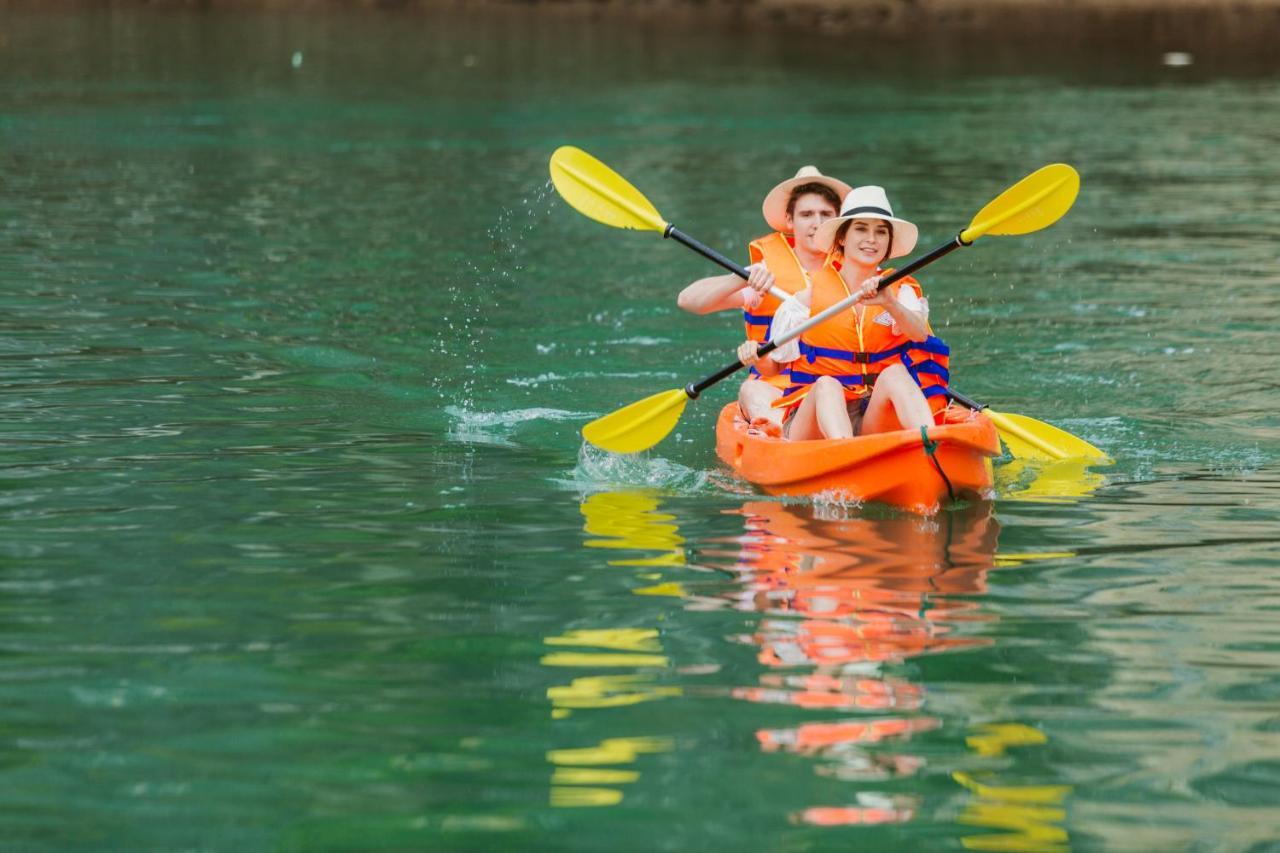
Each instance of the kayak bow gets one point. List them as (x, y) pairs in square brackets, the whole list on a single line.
[(901, 468)]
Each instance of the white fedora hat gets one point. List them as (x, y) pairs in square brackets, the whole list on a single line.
[(869, 203), (775, 203)]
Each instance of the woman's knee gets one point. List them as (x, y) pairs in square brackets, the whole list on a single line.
[(827, 386), (895, 373), (755, 389)]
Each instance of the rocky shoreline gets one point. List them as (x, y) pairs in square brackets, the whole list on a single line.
[(1156, 23), (1038, 16)]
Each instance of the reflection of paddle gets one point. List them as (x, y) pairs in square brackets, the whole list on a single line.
[(595, 190)]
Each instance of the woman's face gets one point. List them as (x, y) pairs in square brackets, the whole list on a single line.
[(867, 241)]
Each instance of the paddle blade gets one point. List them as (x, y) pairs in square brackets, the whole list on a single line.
[(1028, 438), (596, 191), (1037, 201), (1062, 481), (638, 426)]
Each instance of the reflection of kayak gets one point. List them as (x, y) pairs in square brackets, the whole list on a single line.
[(890, 467)]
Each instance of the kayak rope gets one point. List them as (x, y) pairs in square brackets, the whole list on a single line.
[(930, 449)]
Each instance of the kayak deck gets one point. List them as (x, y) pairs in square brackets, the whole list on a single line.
[(889, 467)]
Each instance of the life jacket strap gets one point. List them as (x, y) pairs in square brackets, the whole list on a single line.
[(812, 353), (800, 379), (932, 345), (930, 367)]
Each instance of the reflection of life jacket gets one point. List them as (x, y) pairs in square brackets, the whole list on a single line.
[(778, 254), (859, 815), (873, 637), (777, 543), (824, 691), (857, 344), (815, 737)]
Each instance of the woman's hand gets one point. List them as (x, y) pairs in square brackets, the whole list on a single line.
[(747, 354), (870, 293)]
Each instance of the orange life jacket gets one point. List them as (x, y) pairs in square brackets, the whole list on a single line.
[(778, 253), (858, 343)]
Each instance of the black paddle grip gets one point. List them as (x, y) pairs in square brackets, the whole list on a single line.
[(706, 251), (968, 402), (693, 389)]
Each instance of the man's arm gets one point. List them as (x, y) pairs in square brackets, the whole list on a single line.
[(717, 293), (724, 292)]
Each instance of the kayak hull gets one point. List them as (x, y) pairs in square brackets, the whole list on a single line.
[(888, 467)]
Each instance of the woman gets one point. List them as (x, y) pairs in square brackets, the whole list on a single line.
[(877, 366)]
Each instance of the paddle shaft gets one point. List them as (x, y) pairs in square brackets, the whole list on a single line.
[(967, 402), (674, 233), (693, 389)]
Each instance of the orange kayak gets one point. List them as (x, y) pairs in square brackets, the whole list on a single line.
[(889, 467)]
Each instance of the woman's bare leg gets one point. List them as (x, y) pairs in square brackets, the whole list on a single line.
[(756, 397), (896, 403), (822, 413)]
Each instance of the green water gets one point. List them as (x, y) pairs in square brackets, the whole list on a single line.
[(302, 549)]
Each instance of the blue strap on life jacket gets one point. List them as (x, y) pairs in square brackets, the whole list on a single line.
[(811, 354), (800, 380), (932, 345), (930, 367)]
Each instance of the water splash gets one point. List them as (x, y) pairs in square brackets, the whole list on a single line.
[(471, 295), (535, 381), (498, 428), (598, 469), (580, 376), (835, 505)]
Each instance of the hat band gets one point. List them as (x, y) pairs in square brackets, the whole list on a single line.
[(879, 210)]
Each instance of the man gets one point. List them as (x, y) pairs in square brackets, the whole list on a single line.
[(794, 210)]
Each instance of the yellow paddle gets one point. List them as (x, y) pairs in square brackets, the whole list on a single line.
[(1028, 438), (596, 191)]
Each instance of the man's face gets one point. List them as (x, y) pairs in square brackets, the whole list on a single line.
[(810, 211)]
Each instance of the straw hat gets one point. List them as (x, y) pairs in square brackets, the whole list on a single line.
[(775, 203), (869, 203)]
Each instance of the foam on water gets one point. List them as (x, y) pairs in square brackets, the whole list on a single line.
[(535, 381), (598, 469), (639, 341), (834, 505), (498, 428), (542, 378)]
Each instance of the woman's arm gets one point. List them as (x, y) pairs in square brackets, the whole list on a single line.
[(913, 322)]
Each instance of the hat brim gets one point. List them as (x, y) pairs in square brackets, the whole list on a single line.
[(775, 203), (905, 233)]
